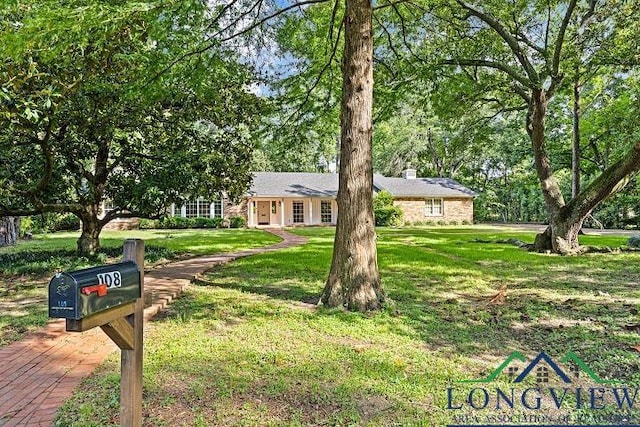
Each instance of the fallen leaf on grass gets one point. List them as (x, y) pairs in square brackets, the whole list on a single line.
[(500, 297)]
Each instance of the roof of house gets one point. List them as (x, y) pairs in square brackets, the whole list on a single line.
[(304, 184), (294, 184), (421, 187)]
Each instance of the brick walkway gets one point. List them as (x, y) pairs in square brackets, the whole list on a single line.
[(38, 373)]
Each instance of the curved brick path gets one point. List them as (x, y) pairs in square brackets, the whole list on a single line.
[(38, 373)]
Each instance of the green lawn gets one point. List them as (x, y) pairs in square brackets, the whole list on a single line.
[(248, 347), (25, 269)]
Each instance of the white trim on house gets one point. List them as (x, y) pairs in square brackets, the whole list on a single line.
[(199, 208), (310, 211), (312, 189), (433, 209)]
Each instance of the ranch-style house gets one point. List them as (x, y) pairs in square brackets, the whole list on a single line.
[(282, 199)]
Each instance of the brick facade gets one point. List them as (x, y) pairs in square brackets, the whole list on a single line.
[(454, 209), (236, 209)]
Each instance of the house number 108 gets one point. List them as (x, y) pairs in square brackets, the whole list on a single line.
[(112, 279)]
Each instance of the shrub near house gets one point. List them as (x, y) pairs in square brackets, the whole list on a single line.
[(297, 198), (176, 222), (284, 199), (385, 212)]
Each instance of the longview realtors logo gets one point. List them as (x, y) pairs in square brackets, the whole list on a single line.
[(544, 392)]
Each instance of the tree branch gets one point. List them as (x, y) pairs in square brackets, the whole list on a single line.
[(404, 32), (48, 162), (324, 69), (522, 92), (334, 13), (390, 4), (560, 39), (389, 39), (209, 43), (510, 71), (532, 74), (41, 208), (610, 180)]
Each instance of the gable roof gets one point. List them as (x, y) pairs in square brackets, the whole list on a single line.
[(306, 184), (421, 187), (543, 356)]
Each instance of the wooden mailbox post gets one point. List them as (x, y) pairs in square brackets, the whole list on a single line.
[(111, 297)]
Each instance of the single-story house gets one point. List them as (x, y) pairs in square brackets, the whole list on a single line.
[(300, 198), (428, 199)]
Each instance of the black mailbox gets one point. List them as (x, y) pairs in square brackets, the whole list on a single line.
[(81, 293)]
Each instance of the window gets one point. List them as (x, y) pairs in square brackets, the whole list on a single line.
[(107, 205), (542, 374), (325, 211), (273, 206), (202, 208), (298, 212), (433, 207), (191, 209), (217, 208)]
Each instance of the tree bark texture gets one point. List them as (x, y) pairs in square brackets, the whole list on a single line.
[(89, 240), (561, 236), (9, 230), (565, 220), (354, 281), (575, 154)]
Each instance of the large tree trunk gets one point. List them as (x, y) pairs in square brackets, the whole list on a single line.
[(89, 241), (354, 281), (561, 236), (9, 230), (565, 220), (557, 237)]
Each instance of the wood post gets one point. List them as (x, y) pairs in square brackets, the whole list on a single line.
[(131, 359)]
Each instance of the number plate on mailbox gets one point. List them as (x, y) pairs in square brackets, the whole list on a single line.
[(81, 293)]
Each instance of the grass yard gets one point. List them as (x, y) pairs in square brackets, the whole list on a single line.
[(248, 347), (26, 269)]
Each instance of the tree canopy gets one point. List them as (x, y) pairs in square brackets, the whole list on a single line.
[(94, 108)]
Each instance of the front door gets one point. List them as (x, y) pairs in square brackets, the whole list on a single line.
[(264, 213)]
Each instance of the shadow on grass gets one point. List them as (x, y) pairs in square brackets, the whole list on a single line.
[(47, 261), (243, 350), (441, 286)]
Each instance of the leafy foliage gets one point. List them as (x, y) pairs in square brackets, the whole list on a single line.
[(473, 64), (634, 241), (50, 223), (385, 212), (171, 222), (303, 127), (95, 107), (237, 222)]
